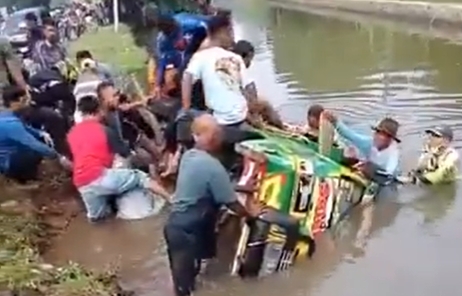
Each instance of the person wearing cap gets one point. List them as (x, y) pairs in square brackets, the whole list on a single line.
[(379, 150), (439, 161)]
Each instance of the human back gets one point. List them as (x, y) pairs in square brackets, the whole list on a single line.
[(223, 74), (86, 85), (190, 187), (90, 149)]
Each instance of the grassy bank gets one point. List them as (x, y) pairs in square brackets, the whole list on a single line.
[(29, 218), (25, 231)]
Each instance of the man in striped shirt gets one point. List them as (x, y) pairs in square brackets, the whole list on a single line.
[(48, 52)]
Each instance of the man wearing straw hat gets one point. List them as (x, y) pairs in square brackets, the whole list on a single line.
[(379, 150)]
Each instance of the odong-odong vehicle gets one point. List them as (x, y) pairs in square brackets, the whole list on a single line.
[(306, 193)]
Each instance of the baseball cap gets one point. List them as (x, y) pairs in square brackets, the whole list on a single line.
[(443, 131)]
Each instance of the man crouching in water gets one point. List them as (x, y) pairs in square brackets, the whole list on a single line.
[(203, 185), (439, 161), (93, 147), (376, 153)]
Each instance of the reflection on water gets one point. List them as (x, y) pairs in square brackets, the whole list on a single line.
[(407, 244)]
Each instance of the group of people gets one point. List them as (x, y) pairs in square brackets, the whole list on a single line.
[(378, 155)]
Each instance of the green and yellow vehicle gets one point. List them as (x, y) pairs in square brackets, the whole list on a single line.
[(306, 193)]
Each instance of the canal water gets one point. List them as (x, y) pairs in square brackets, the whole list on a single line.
[(407, 245)]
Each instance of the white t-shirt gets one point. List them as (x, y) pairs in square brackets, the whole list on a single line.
[(224, 75), (82, 89)]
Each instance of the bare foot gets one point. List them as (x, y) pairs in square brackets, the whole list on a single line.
[(172, 165)]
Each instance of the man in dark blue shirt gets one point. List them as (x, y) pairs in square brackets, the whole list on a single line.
[(203, 185), (20, 148)]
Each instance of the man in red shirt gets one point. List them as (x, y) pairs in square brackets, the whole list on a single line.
[(93, 147)]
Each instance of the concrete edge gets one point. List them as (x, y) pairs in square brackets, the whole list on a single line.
[(434, 14), (446, 31)]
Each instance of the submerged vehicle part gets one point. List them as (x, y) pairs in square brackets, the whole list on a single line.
[(305, 190)]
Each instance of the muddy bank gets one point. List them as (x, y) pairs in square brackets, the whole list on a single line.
[(29, 217), (432, 14)]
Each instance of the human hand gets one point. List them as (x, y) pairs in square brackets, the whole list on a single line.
[(157, 93), (47, 138), (246, 189), (65, 162), (254, 207), (329, 116)]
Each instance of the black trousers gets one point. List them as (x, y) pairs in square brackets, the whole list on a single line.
[(189, 240), (233, 134), (53, 123), (181, 249), (57, 96), (24, 166)]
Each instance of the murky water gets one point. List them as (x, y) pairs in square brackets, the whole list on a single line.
[(408, 245)]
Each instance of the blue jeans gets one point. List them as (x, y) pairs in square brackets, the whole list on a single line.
[(98, 195)]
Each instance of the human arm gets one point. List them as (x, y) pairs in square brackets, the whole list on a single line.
[(444, 169), (116, 143), (360, 141), (131, 105), (249, 88), (223, 192), (192, 73), (161, 58), (20, 134), (38, 55), (105, 71), (33, 131)]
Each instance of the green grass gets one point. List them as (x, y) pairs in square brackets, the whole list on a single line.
[(117, 49), (23, 272)]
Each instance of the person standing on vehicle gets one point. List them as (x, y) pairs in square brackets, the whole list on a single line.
[(223, 74), (170, 46), (48, 52), (225, 80), (202, 186)]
